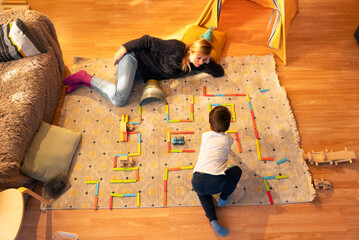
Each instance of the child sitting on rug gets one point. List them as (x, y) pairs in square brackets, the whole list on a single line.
[(148, 58), (210, 175)]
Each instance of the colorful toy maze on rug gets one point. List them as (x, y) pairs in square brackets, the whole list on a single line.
[(118, 168)]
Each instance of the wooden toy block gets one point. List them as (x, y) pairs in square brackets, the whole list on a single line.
[(166, 174), (97, 189), (254, 124), (138, 200), (258, 150), (282, 161), (115, 162), (130, 195), (238, 143), (96, 203), (165, 192), (341, 156), (125, 161), (269, 177), (222, 95), (256, 133), (123, 126), (110, 203), (266, 185), (92, 182), (270, 197), (322, 183), (330, 157), (188, 150), (250, 106), (129, 181), (125, 137), (176, 151), (116, 195), (264, 90), (187, 167), (130, 127), (127, 128), (174, 169), (281, 177), (116, 181), (252, 113), (136, 132)]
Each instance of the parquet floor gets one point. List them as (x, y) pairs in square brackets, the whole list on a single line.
[(321, 79)]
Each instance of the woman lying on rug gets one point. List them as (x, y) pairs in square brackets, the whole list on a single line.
[(148, 58)]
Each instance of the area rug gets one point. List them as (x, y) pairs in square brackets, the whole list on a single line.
[(266, 145)]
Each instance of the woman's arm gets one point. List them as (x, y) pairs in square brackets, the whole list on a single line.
[(212, 68), (144, 42), (119, 54)]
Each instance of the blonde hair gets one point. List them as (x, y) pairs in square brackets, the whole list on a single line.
[(202, 46)]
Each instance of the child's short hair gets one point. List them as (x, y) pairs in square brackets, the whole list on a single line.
[(220, 119)]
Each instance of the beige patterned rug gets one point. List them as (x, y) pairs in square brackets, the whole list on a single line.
[(249, 83)]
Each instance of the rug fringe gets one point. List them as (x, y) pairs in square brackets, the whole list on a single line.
[(293, 123)]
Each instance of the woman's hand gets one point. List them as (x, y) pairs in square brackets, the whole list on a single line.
[(119, 54)]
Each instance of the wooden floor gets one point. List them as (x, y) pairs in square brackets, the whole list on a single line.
[(322, 82)]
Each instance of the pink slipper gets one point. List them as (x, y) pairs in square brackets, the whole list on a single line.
[(74, 86), (79, 77)]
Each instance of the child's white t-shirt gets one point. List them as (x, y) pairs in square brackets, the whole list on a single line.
[(213, 155)]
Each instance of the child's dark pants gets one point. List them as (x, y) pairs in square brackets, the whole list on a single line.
[(206, 184)]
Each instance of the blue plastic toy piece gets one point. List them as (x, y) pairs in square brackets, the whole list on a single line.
[(178, 140)]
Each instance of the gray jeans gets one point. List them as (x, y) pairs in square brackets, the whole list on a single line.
[(118, 93)]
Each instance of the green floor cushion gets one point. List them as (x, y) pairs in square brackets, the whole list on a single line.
[(194, 32), (50, 153)]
